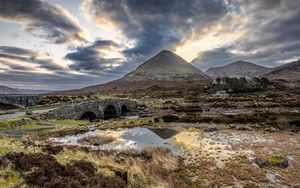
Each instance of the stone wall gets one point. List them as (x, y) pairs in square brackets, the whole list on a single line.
[(21, 100)]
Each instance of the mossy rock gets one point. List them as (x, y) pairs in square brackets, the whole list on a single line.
[(278, 160), (29, 112)]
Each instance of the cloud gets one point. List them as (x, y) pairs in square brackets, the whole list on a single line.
[(13, 56), (14, 66), (154, 25), (37, 80), (101, 55), (271, 37), (43, 20), (216, 32)]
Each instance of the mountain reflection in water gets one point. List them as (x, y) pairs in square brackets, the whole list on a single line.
[(134, 138)]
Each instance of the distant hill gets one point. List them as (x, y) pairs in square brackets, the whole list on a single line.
[(7, 90), (32, 91), (164, 70), (166, 66), (289, 72), (13, 91), (238, 69)]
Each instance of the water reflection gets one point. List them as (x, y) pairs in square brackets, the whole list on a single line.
[(164, 133), (135, 138)]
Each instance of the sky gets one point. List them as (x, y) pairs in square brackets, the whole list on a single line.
[(68, 44)]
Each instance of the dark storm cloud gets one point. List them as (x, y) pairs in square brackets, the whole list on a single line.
[(90, 58), (24, 55), (273, 35), (42, 20), (154, 24)]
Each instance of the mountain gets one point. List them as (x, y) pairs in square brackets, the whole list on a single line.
[(238, 69), (163, 71), (166, 66), (7, 90), (289, 72)]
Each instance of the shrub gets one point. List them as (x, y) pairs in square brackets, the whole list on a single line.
[(40, 170), (54, 150), (170, 118)]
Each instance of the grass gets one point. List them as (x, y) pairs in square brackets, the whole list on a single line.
[(42, 170), (125, 123), (9, 177), (153, 167), (8, 144), (14, 122), (69, 122)]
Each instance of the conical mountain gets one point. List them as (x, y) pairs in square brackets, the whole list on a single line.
[(166, 66), (238, 69), (163, 70)]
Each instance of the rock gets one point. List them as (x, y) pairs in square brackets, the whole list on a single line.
[(270, 129), (274, 160), (260, 162), (242, 128), (284, 163), (212, 129)]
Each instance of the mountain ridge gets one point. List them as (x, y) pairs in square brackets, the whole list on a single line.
[(238, 69), (289, 72)]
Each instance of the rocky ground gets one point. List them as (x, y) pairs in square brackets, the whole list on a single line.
[(229, 157)]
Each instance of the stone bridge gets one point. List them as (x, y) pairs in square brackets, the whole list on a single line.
[(19, 101), (96, 109)]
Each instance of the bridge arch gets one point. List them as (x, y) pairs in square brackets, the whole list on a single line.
[(89, 115), (124, 109), (110, 111)]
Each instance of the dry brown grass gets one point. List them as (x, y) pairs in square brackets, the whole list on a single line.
[(96, 140), (157, 171)]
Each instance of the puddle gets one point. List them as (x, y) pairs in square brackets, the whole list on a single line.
[(192, 144), (131, 117), (134, 138)]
